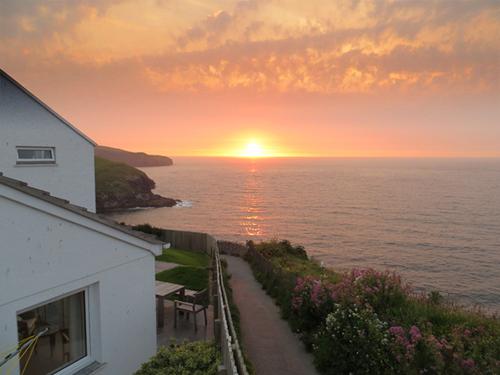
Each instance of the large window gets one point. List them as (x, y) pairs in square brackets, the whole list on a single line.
[(64, 341), (35, 155)]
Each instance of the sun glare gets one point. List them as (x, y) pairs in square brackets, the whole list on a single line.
[(253, 150)]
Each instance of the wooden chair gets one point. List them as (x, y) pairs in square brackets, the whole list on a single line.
[(192, 308), (188, 294)]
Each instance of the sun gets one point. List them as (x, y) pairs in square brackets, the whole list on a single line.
[(253, 150)]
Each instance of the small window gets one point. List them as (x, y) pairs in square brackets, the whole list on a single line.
[(35, 155), (64, 338)]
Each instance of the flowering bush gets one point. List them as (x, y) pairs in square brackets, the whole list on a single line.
[(381, 290), (312, 301), (313, 298), (355, 341), (344, 321), (466, 351)]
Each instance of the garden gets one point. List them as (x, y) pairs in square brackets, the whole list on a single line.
[(370, 322)]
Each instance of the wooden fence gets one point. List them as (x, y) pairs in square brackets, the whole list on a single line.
[(273, 272), (190, 241)]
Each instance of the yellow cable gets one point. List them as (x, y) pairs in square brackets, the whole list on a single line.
[(21, 355), (31, 352)]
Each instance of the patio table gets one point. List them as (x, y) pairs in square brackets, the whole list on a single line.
[(163, 290)]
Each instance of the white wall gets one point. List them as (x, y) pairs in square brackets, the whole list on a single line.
[(47, 252), (24, 122)]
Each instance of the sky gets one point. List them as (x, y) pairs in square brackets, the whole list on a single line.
[(353, 78)]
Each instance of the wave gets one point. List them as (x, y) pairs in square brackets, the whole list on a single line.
[(184, 204)]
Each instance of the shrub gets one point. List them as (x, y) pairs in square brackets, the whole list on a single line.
[(381, 290), (275, 248), (312, 301), (354, 341), (149, 229), (462, 351), (197, 358)]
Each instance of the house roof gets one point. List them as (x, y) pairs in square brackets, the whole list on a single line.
[(44, 195), (18, 85)]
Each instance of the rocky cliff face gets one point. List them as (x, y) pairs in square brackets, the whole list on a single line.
[(119, 186)]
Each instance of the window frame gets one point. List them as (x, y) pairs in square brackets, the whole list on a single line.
[(24, 161), (82, 362)]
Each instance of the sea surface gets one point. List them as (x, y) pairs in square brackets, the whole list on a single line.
[(436, 221)]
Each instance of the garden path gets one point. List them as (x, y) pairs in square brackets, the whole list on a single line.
[(267, 339)]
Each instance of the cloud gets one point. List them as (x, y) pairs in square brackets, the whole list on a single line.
[(364, 46), (195, 33), (46, 18)]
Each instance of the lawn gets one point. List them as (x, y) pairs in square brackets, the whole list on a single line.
[(186, 258), (193, 278)]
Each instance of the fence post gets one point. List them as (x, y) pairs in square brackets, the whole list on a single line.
[(221, 370), (216, 306), (217, 333)]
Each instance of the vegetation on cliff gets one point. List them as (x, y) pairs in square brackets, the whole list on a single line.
[(370, 322), (120, 186), (134, 159)]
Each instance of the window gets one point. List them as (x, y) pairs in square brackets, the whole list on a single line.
[(36, 155), (64, 341)]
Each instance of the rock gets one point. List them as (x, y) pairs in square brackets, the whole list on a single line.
[(120, 186)]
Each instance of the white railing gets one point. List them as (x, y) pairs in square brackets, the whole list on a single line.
[(225, 334)]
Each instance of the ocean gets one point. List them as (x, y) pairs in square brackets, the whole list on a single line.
[(436, 221)]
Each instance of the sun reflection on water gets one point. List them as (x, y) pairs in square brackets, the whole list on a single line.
[(252, 206)]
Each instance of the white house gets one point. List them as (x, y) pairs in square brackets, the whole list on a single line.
[(87, 281), (39, 147)]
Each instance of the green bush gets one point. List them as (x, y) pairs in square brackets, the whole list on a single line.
[(148, 229), (275, 248), (197, 358), (355, 341)]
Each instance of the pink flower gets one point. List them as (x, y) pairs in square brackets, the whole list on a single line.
[(467, 332), (480, 328), (467, 364)]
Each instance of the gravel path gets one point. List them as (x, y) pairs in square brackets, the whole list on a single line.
[(267, 339)]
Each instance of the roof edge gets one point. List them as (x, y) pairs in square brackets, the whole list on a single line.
[(65, 204), (59, 117)]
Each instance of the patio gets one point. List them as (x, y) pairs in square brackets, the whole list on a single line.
[(185, 327)]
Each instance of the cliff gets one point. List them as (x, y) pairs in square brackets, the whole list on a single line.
[(134, 159), (120, 186)]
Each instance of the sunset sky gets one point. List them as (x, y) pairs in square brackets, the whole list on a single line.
[(288, 77)]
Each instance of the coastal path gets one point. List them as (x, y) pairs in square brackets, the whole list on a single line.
[(267, 339)]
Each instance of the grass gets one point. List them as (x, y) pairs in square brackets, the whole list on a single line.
[(193, 278), (112, 177), (186, 258), (305, 267)]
